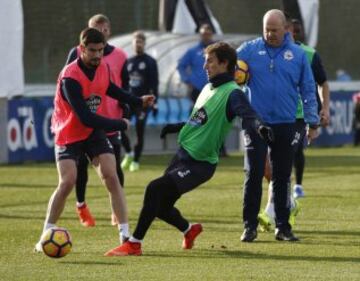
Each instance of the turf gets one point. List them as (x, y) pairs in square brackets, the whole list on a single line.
[(328, 226)]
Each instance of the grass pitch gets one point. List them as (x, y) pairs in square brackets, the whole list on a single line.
[(328, 226)]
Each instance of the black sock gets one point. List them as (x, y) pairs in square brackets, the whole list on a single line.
[(125, 142), (82, 178), (299, 164), (119, 171)]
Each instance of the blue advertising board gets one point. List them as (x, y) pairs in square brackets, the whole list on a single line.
[(28, 129), (339, 132), (29, 137)]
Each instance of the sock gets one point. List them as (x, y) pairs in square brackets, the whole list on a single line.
[(270, 193), (130, 154), (186, 231), (48, 225), (134, 240), (270, 208), (292, 203), (270, 211), (123, 230), (80, 205)]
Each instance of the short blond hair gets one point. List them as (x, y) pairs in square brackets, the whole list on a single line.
[(98, 19)]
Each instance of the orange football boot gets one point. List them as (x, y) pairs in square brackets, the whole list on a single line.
[(190, 236), (126, 249), (86, 219)]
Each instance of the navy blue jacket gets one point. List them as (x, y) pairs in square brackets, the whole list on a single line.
[(143, 73)]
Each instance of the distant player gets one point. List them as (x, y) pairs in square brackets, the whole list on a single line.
[(115, 58), (323, 97), (143, 73)]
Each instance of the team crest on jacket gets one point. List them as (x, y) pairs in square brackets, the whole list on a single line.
[(199, 117), (93, 102), (288, 55), (142, 65)]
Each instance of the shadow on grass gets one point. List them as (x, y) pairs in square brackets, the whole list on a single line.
[(216, 254), (102, 221), (219, 254), (325, 196), (341, 243), (41, 216), (46, 200), (22, 204), (330, 232), (19, 217), (26, 185), (250, 255), (91, 263)]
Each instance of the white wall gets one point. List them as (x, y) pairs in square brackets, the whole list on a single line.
[(11, 48)]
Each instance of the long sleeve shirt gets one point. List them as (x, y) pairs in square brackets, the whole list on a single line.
[(71, 92)]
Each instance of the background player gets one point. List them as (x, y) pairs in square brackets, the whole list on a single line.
[(116, 60), (143, 73)]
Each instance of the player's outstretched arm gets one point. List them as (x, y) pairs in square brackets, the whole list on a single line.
[(171, 129), (123, 96)]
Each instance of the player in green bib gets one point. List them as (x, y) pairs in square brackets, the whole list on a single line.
[(208, 123), (323, 98), (200, 139)]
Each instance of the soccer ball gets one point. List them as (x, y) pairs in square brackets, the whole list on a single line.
[(56, 242), (242, 74)]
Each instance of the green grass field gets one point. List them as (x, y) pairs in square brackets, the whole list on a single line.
[(328, 226)]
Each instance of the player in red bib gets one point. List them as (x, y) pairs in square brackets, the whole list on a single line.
[(80, 126), (115, 58)]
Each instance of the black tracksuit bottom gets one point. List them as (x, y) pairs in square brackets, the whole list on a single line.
[(281, 153)]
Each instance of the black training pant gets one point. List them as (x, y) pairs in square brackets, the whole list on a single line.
[(281, 153), (182, 175)]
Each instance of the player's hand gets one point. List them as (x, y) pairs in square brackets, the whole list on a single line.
[(148, 100), (266, 133), (164, 131), (155, 110), (312, 134), (126, 110), (169, 129), (324, 117)]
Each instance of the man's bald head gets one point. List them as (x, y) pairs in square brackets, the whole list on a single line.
[(274, 27), (275, 15)]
